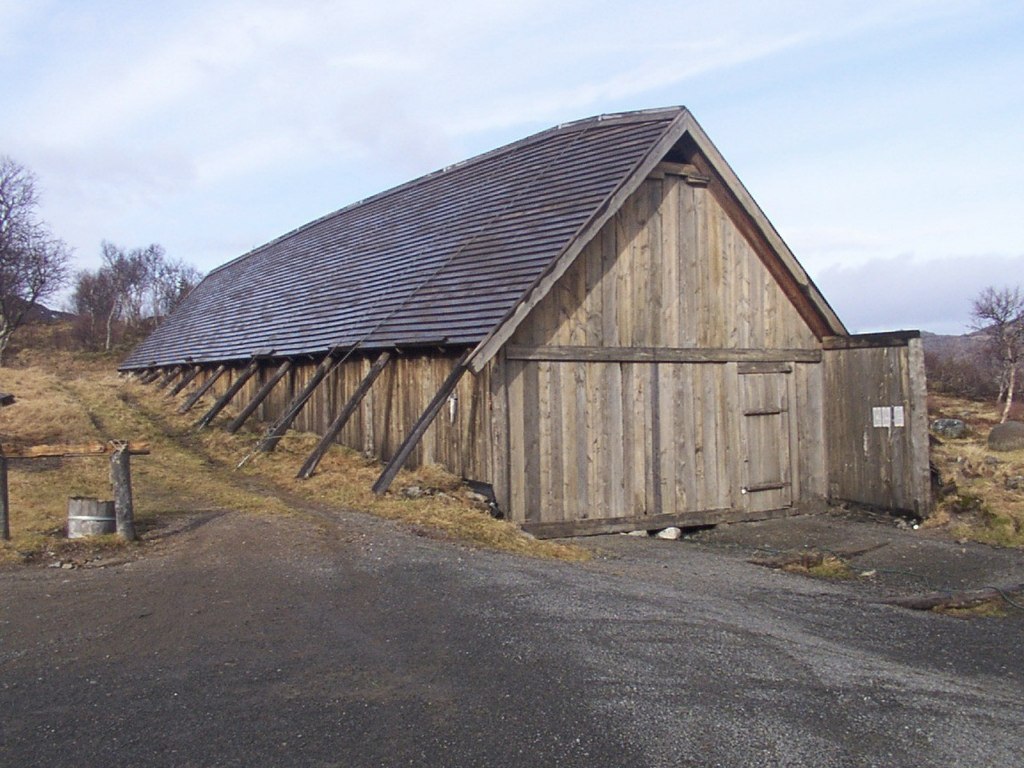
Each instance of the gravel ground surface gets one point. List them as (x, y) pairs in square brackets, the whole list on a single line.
[(334, 639)]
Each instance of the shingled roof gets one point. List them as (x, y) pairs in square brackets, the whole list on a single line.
[(442, 260)]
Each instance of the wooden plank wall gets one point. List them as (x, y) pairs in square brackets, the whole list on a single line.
[(594, 437), (669, 270), (881, 466), (459, 439)]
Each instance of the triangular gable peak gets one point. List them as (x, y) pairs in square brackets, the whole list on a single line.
[(684, 143)]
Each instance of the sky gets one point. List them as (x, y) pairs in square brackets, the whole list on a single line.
[(884, 140)]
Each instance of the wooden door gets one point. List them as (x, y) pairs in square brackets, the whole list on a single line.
[(767, 481)]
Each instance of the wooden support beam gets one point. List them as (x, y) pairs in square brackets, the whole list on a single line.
[(233, 390), (169, 376), (284, 423), (235, 424), (310, 465), (148, 377), (194, 397), (62, 450), (406, 448), (185, 380)]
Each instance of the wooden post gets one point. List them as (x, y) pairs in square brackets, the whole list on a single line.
[(194, 397), (384, 481), (259, 397), (185, 380), (279, 427), (5, 525), (121, 477), (148, 377), (309, 467), (224, 399)]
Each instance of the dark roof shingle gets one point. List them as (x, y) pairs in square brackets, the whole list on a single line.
[(441, 259)]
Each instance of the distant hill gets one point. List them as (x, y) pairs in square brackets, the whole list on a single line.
[(40, 313), (964, 345)]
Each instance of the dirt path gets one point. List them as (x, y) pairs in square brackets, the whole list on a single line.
[(327, 638)]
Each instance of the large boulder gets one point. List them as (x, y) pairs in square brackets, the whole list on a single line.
[(1006, 437), (949, 428)]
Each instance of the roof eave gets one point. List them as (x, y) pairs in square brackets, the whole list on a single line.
[(503, 331), (685, 124)]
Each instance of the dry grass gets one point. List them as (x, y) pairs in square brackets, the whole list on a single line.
[(989, 609), (188, 472), (820, 566), (980, 501)]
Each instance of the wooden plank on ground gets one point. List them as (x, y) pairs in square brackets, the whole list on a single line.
[(310, 465), (597, 526)]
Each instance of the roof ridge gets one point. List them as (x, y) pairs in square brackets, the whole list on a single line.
[(641, 115)]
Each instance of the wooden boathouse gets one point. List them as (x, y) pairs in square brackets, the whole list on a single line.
[(597, 321)]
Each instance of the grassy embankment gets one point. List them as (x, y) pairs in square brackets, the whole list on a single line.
[(72, 398), (984, 497), (67, 398)]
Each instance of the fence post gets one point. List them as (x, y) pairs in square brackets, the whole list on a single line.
[(121, 477)]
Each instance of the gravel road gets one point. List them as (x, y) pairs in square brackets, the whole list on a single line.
[(342, 640)]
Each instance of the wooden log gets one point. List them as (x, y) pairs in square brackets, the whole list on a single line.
[(96, 448), (259, 397), (384, 481), (5, 524), (121, 477), (185, 380), (233, 390), (870, 340), (6, 398), (194, 397), (963, 599), (310, 465), (148, 377), (283, 424), (170, 376)]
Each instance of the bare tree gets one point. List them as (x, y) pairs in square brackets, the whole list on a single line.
[(174, 280), (33, 263), (999, 313), (131, 289), (93, 301)]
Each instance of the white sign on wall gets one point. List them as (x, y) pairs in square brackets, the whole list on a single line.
[(887, 416)]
